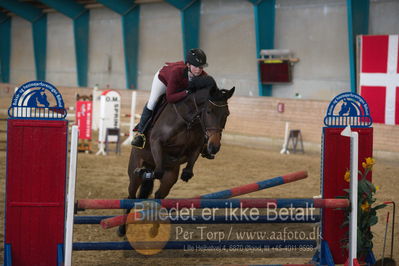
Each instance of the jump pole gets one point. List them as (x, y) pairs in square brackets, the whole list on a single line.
[(215, 203), (225, 194), (246, 189), (219, 219), (132, 118)]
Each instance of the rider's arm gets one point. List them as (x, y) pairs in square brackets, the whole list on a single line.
[(176, 83)]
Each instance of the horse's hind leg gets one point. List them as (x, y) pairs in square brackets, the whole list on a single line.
[(167, 181), (134, 184)]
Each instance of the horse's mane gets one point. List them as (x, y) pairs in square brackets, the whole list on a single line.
[(218, 95)]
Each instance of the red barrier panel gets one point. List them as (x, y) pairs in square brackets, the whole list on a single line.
[(35, 198), (336, 160)]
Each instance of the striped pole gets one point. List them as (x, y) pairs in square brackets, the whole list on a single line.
[(228, 193), (214, 203), (227, 244), (245, 189), (198, 219)]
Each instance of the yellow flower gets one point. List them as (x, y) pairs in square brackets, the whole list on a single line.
[(368, 164), (347, 176), (377, 188), (365, 206)]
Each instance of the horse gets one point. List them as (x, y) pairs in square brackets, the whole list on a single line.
[(177, 137)]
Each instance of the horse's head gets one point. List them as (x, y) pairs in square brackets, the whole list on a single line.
[(215, 116)]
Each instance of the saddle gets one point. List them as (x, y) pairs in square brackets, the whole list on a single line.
[(159, 107)]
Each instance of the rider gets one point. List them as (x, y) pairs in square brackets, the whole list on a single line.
[(177, 79)]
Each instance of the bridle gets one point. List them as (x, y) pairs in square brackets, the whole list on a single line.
[(215, 130), (199, 116)]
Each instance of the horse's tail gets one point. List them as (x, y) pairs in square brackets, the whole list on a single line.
[(146, 188)]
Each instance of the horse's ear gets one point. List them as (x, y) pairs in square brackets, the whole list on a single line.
[(230, 93)]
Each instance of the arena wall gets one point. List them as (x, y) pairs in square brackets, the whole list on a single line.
[(314, 30), (253, 120)]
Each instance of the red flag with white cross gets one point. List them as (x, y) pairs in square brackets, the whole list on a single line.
[(379, 76)]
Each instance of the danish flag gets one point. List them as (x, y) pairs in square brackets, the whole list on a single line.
[(379, 77)]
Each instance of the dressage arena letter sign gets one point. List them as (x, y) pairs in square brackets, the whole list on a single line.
[(110, 111)]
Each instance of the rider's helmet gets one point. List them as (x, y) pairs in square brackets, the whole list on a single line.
[(196, 57)]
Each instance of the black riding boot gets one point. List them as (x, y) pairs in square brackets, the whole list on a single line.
[(139, 138)]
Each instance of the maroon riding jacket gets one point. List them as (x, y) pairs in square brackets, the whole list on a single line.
[(175, 77)]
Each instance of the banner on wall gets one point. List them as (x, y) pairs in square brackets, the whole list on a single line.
[(84, 114), (379, 76)]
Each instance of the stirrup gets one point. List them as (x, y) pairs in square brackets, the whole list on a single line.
[(139, 146)]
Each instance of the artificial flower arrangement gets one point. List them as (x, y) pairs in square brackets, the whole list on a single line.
[(367, 209)]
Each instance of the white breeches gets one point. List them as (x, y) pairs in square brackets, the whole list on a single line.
[(157, 89)]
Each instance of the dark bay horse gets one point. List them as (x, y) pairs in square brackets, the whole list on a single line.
[(177, 137)]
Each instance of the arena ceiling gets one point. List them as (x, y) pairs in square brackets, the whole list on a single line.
[(88, 4)]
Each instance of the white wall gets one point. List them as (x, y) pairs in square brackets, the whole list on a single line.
[(22, 64), (315, 30), (61, 63), (228, 38), (160, 40), (106, 56), (384, 17)]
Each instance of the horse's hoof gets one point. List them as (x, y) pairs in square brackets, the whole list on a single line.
[(121, 232), (186, 175)]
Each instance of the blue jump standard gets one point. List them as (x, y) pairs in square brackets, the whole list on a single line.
[(216, 219), (199, 244)]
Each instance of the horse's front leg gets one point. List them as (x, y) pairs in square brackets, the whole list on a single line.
[(187, 172), (157, 154), (168, 180)]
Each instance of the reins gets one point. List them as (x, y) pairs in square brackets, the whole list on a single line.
[(192, 122)]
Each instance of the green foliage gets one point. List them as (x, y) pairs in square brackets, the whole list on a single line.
[(367, 210)]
